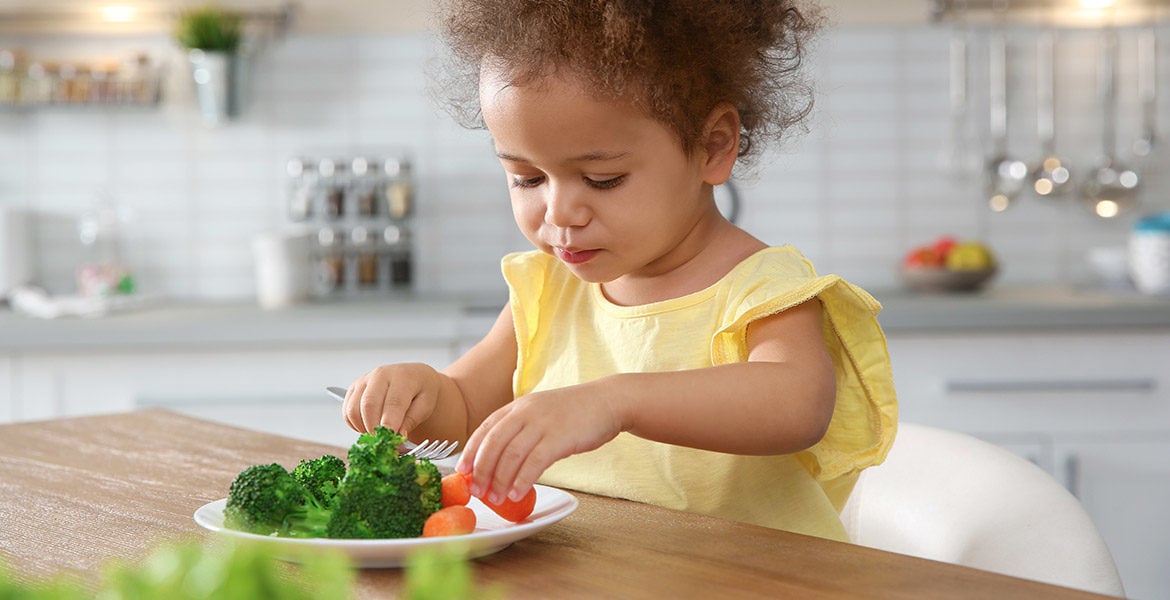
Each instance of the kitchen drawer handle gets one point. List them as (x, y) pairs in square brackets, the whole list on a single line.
[(1033, 386)]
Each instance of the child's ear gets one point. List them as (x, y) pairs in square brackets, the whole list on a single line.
[(720, 143)]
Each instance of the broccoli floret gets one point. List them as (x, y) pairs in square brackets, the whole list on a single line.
[(430, 481), (384, 495), (321, 476), (268, 500), (380, 495), (261, 499)]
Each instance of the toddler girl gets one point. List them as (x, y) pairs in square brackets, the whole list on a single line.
[(650, 349)]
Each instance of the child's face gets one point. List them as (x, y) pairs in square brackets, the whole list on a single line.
[(598, 184)]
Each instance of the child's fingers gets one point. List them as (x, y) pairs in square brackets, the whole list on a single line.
[(397, 398), (352, 406), (371, 403), (469, 458), (527, 475), (483, 450), (514, 453), (407, 405)]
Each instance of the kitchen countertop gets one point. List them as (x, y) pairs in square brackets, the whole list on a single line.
[(418, 319), (241, 324), (1022, 308)]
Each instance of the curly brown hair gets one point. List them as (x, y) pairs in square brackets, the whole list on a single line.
[(677, 59)]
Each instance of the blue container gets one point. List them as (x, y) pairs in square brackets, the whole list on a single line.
[(1149, 254)]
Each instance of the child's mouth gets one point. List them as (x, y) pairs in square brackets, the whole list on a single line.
[(576, 258)]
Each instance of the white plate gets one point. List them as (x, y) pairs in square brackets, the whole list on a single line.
[(491, 534)]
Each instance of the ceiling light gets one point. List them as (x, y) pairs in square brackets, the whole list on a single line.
[(118, 13)]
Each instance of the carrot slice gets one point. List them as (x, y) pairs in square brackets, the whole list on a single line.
[(456, 492), (512, 510), (451, 520)]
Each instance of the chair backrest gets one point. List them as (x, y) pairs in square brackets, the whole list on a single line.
[(954, 498)]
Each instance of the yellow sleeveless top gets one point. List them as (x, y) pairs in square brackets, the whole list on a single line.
[(568, 333)]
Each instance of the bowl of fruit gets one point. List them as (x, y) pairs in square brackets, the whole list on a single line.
[(948, 265)]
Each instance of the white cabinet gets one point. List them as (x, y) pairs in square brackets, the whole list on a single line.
[(1091, 407), (277, 390), (1125, 486), (7, 384)]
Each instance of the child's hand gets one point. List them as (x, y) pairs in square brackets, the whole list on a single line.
[(399, 397), (517, 442)]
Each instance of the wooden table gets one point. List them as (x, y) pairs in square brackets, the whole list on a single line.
[(76, 492)]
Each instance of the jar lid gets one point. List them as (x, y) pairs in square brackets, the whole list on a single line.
[(1159, 223)]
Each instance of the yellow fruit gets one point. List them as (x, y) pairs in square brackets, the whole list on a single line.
[(970, 256)]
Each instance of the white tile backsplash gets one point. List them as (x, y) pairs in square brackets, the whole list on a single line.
[(854, 193)]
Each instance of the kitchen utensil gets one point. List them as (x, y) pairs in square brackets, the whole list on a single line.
[(958, 158), (1147, 68), (433, 450), (1051, 176), (1006, 175), (1111, 188)]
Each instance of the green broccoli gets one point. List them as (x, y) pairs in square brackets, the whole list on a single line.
[(321, 476), (260, 499), (384, 495), (268, 500), (380, 494)]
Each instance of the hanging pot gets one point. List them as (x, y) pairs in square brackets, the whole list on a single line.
[(1147, 68), (214, 74), (960, 160), (1006, 175), (1050, 176)]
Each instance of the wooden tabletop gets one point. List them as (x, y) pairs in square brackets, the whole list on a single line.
[(77, 492)]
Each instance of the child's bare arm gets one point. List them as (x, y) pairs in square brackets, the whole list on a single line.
[(421, 402), (778, 402)]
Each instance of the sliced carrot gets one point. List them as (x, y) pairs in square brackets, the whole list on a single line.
[(451, 520), (514, 511), (456, 491)]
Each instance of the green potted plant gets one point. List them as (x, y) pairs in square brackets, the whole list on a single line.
[(212, 38)]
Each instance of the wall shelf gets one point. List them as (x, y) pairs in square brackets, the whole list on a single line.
[(135, 18)]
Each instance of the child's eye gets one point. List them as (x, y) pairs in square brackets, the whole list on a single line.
[(526, 182), (605, 184)]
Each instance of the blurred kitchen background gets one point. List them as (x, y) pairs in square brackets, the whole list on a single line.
[(883, 166), (338, 170)]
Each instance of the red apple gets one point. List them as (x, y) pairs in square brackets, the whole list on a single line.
[(944, 244), (924, 257)]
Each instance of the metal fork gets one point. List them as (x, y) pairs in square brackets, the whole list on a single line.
[(429, 449)]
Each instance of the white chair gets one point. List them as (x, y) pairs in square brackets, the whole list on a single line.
[(950, 497)]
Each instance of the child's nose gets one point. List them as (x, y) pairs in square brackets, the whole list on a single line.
[(565, 208)]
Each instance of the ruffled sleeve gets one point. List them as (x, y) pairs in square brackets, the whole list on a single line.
[(526, 275), (865, 415)]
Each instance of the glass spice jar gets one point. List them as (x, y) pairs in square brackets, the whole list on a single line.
[(399, 188)]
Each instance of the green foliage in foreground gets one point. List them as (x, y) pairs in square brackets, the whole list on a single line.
[(232, 570), (190, 571)]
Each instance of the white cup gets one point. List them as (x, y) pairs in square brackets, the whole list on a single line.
[(1149, 260), (282, 269)]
